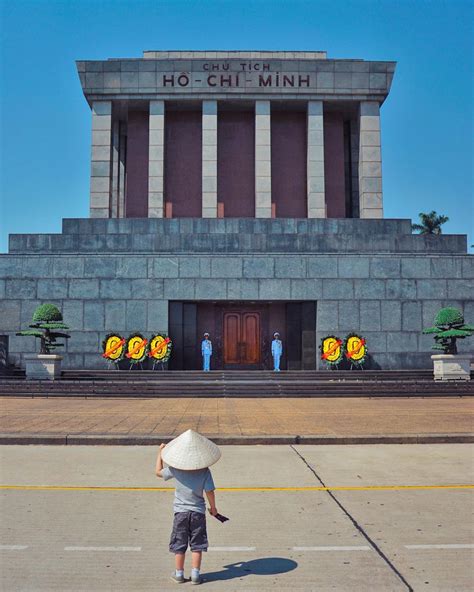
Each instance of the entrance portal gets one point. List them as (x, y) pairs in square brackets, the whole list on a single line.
[(242, 333)]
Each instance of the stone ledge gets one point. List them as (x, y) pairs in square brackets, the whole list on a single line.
[(187, 242), (278, 226), (145, 440)]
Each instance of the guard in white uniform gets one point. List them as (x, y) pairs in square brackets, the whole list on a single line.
[(277, 350), (206, 350)]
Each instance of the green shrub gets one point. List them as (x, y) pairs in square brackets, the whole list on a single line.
[(449, 326), (47, 318), (47, 313)]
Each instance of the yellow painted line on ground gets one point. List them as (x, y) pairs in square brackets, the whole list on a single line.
[(229, 489)]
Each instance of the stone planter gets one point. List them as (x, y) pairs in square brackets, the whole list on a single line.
[(451, 367), (43, 366)]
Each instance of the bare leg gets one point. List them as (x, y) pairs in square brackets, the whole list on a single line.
[(179, 560), (196, 557)]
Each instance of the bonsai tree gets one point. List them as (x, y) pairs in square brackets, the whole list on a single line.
[(430, 223), (449, 326), (47, 318)]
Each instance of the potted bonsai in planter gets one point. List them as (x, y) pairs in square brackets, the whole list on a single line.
[(46, 326), (449, 327)]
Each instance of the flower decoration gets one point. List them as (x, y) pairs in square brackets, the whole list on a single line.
[(159, 348), (355, 347), (331, 350), (136, 348), (113, 347)]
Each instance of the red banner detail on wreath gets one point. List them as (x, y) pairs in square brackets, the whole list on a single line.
[(356, 350), (157, 348), (136, 348), (113, 349), (331, 350)]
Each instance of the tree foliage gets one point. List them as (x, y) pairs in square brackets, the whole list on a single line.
[(449, 326), (430, 223), (47, 319)]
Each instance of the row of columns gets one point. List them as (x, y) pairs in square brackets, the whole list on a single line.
[(107, 197)]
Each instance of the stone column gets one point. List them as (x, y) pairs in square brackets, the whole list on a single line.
[(101, 159), (370, 161), (156, 159), (315, 166), (263, 161), (209, 159)]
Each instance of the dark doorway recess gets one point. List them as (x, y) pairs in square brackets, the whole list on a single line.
[(236, 163), (183, 164), (136, 202), (241, 334), (288, 164)]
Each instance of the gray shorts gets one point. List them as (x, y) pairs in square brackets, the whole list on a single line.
[(188, 527)]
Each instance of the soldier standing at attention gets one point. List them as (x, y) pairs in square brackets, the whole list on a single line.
[(206, 350), (277, 350)]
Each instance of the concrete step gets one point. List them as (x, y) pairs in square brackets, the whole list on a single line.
[(236, 388), (285, 376)]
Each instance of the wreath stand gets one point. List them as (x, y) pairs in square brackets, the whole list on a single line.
[(112, 363), (160, 363), (132, 364)]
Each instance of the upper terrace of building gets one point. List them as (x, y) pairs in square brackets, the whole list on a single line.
[(225, 75), (246, 54)]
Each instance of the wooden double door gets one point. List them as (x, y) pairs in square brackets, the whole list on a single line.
[(242, 339)]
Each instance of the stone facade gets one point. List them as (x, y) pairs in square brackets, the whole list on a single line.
[(354, 273), (371, 276), (147, 89)]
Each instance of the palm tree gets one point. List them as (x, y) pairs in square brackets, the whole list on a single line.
[(430, 223)]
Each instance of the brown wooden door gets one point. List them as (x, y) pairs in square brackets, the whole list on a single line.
[(241, 339)]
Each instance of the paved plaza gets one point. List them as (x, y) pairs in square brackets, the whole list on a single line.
[(96, 519), (241, 417)]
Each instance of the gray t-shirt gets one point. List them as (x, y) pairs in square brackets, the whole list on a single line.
[(190, 485)]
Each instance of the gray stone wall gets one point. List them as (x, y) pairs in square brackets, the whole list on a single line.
[(389, 298), (236, 236)]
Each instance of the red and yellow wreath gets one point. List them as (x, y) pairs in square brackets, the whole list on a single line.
[(355, 347), (159, 347), (113, 347), (331, 350), (136, 348)]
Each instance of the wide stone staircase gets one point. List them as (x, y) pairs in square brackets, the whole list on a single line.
[(235, 383)]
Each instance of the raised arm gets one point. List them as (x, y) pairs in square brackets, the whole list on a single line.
[(211, 496), (159, 462)]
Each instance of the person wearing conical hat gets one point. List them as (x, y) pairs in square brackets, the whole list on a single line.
[(206, 350), (189, 457), (277, 350)]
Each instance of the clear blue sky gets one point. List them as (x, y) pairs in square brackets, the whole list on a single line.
[(427, 121)]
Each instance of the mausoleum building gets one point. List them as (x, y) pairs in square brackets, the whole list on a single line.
[(238, 193)]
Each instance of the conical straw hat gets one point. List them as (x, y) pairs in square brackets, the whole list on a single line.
[(190, 451)]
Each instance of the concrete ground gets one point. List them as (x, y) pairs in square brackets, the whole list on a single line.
[(302, 518)]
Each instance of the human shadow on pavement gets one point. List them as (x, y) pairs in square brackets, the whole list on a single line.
[(267, 566)]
